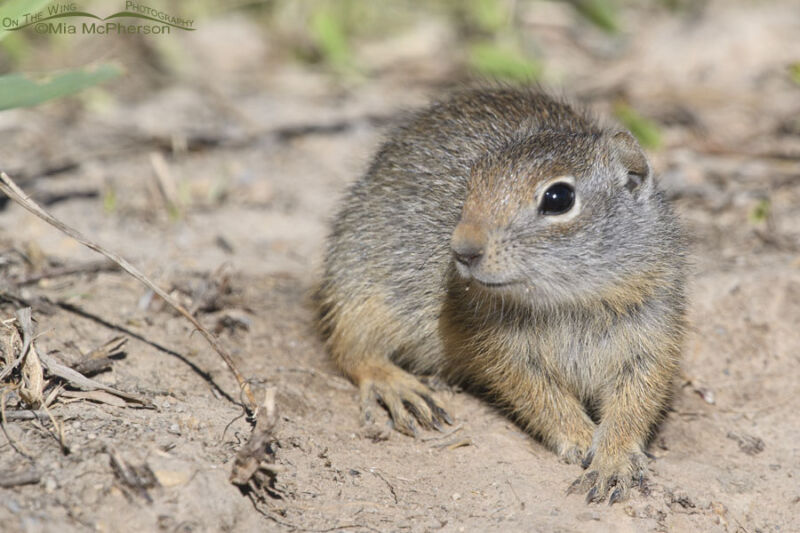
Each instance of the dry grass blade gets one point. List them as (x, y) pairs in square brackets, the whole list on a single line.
[(25, 322), (112, 347), (79, 380), (13, 191), (98, 396), (165, 184)]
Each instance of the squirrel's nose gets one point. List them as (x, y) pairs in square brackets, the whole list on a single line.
[(468, 244), (468, 256)]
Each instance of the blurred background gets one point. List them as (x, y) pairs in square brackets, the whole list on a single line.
[(277, 104)]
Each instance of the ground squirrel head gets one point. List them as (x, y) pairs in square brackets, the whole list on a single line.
[(556, 216)]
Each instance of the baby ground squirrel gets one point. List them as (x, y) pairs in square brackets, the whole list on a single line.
[(502, 240)]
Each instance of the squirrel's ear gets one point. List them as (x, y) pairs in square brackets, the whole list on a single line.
[(630, 154)]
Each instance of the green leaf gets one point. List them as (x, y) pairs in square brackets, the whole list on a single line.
[(110, 200), (22, 90), (329, 35), (15, 9), (642, 128), (503, 63), (601, 13), (760, 213), (15, 45), (794, 72), (489, 15)]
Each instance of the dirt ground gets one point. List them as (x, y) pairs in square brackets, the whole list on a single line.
[(260, 149)]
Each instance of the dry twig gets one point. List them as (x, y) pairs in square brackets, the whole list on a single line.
[(91, 267), (18, 195), (26, 477)]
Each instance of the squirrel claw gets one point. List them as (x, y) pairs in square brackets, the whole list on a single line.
[(408, 402), (604, 479), (595, 496), (440, 415), (596, 484), (406, 427), (587, 460), (574, 487)]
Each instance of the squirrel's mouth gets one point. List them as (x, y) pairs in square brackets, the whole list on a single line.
[(493, 284), (469, 275)]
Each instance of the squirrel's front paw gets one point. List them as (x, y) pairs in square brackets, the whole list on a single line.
[(573, 454), (607, 474), (403, 396), (575, 450)]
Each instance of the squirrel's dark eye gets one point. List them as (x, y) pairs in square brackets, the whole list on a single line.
[(558, 198)]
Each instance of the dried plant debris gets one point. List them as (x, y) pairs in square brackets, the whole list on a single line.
[(749, 444), (20, 354), (203, 293), (211, 292), (37, 379), (80, 381), (254, 469), (232, 321), (133, 479), (12, 190), (101, 358), (23, 374)]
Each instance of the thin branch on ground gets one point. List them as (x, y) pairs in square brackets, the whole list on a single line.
[(215, 388), (91, 267), (27, 477), (18, 195)]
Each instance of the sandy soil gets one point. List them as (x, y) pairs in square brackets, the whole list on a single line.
[(271, 146)]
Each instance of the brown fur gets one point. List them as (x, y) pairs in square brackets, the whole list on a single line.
[(573, 323)]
